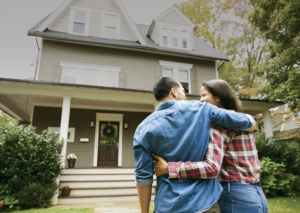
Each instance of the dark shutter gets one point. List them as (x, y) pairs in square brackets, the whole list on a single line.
[(158, 73), (194, 87), (57, 72), (122, 79)]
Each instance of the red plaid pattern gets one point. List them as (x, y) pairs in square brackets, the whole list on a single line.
[(231, 156)]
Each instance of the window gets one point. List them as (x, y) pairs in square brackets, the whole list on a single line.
[(179, 71), (165, 36), (296, 116), (184, 39), (71, 132), (174, 35), (111, 26), (79, 22), (94, 75)]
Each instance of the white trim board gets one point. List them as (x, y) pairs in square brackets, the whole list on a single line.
[(39, 61), (72, 20), (108, 117)]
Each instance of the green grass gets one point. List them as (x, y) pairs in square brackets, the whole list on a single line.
[(71, 210), (276, 204)]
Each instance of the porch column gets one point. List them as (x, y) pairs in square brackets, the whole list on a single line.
[(64, 126), (155, 106), (267, 123)]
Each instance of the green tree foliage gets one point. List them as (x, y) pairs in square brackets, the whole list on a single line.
[(279, 21), (28, 161)]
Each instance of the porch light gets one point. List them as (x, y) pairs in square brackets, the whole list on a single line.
[(126, 125), (92, 124)]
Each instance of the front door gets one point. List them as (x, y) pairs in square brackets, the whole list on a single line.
[(108, 143)]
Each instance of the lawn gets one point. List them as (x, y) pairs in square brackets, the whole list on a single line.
[(83, 210), (276, 205)]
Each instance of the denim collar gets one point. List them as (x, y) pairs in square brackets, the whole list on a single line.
[(166, 105)]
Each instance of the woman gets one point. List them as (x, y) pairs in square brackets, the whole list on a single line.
[(231, 156)]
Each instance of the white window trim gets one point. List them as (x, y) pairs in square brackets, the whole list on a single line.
[(81, 66), (176, 67), (118, 24), (72, 19), (70, 129), (179, 29), (294, 117), (108, 117)]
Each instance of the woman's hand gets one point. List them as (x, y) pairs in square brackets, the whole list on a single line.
[(161, 166)]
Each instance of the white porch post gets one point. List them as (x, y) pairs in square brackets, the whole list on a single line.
[(64, 126), (267, 123)]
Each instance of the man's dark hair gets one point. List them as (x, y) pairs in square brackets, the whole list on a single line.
[(163, 87)]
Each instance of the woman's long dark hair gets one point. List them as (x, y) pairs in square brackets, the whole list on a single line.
[(222, 89)]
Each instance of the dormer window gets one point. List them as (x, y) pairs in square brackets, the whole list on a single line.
[(110, 25), (174, 36), (165, 36), (184, 39), (79, 21)]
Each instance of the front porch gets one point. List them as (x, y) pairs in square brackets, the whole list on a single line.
[(69, 110)]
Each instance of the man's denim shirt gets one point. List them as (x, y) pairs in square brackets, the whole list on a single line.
[(179, 131)]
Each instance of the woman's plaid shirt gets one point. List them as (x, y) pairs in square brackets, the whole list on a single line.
[(231, 156)]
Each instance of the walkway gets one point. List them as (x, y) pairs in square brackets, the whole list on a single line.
[(120, 207)]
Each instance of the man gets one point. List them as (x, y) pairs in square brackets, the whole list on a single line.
[(179, 131)]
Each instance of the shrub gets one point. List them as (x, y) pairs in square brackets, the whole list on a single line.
[(27, 160)]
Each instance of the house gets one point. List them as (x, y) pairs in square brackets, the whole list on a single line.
[(285, 123), (96, 70)]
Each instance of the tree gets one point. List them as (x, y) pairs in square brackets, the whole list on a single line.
[(5, 119), (279, 21), (245, 46)]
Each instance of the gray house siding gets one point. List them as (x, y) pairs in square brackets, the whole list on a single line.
[(140, 68), (45, 117)]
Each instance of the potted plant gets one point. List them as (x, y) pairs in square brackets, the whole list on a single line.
[(23, 122), (65, 190), (71, 160)]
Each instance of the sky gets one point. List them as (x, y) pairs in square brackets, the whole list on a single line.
[(18, 51)]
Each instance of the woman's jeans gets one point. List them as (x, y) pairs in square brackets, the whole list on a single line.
[(241, 198)]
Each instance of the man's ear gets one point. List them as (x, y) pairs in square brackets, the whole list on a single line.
[(173, 92)]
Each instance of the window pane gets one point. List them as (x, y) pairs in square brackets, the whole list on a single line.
[(174, 33), (111, 79), (79, 16), (165, 31), (70, 75), (184, 43), (168, 72), (185, 86), (184, 39), (165, 40), (183, 75), (90, 77), (111, 21), (78, 28), (110, 32), (175, 42)]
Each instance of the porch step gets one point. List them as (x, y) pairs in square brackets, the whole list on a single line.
[(99, 199), (99, 185), (104, 191)]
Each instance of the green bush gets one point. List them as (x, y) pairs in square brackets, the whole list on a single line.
[(27, 160), (280, 163)]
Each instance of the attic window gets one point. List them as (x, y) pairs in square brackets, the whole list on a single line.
[(165, 36), (111, 26), (184, 39), (174, 35), (79, 22)]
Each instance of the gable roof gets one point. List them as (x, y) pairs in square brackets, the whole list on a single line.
[(202, 50), (175, 9), (65, 5)]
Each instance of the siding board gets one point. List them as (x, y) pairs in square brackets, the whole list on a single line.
[(62, 24), (140, 68), (45, 117), (173, 17)]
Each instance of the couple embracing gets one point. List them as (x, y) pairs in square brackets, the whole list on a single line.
[(207, 159)]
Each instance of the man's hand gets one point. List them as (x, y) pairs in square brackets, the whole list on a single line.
[(161, 166)]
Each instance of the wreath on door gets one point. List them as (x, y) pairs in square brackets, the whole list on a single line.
[(109, 131)]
